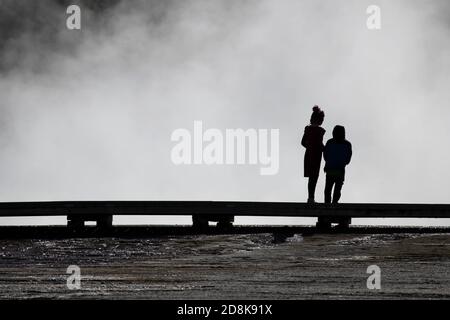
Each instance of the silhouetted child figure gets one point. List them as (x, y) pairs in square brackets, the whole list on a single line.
[(337, 154), (313, 142)]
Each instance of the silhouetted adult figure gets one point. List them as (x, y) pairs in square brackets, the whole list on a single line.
[(313, 142), (337, 155)]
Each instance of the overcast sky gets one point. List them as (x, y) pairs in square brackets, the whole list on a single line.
[(88, 115)]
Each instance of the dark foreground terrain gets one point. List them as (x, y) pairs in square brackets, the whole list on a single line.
[(256, 265)]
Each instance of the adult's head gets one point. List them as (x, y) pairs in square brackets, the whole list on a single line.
[(317, 116), (339, 133)]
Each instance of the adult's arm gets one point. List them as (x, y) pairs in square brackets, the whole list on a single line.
[(305, 139)]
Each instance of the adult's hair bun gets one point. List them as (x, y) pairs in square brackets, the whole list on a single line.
[(316, 109)]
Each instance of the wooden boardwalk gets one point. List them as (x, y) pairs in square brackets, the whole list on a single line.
[(237, 208), (103, 211)]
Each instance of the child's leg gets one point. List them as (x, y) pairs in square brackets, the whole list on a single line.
[(339, 181), (328, 187)]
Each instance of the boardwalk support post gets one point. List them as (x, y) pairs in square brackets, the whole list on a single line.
[(344, 222), (225, 223), (323, 223), (199, 222), (105, 222), (74, 222)]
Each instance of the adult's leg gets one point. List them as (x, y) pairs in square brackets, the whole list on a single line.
[(339, 181), (312, 182)]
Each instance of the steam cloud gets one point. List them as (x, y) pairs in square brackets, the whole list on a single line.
[(87, 115)]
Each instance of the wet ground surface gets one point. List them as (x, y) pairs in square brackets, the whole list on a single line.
[(228, 266)]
